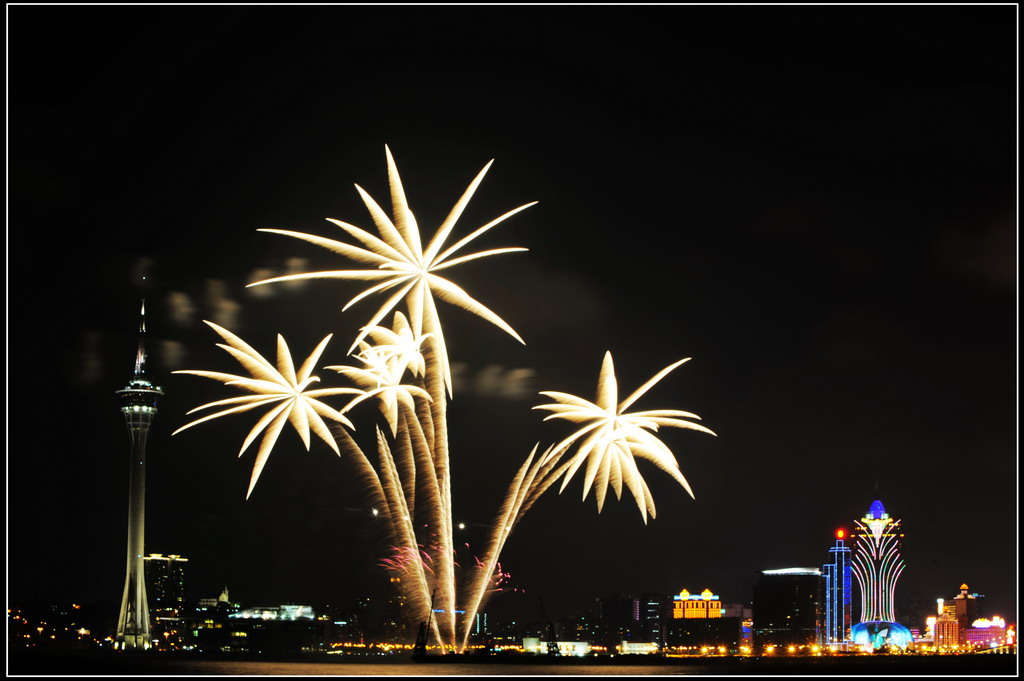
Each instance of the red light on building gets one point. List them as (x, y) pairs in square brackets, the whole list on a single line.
[(840, 534)]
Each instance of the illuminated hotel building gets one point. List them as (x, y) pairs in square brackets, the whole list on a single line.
[(138, 404), (986, 633), (699, 621), (946, 632), (877, 565), (838, 595), (692, 606)]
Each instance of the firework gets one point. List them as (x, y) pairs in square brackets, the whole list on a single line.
[(405, 369), (281, 386)]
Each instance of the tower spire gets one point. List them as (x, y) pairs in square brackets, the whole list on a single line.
[(140, 355)]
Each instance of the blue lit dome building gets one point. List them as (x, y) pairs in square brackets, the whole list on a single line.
[(877, 565)]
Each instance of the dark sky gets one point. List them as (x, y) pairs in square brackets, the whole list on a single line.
[(816, 204)]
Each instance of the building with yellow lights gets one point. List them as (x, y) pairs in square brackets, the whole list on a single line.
[(691, 606), (699, 621), (946, 633)]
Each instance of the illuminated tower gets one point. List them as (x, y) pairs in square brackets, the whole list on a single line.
[(877, 565), (138, 404), (838, 587)]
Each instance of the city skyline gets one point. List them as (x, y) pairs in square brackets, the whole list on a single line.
[(830, 239)]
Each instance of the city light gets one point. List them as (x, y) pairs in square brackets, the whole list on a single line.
[(995, 621), (244, 630)]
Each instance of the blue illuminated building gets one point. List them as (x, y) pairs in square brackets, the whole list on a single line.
[(837, 578)]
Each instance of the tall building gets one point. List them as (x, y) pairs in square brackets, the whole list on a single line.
[(786, 608), (877, 565), (967, 608), (165, 580), (138, 404), (616, 619), (946, 630), (395, 623), (837, 587), (654, 611), (165, 592)]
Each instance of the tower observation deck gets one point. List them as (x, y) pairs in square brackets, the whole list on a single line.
[(138, 404)]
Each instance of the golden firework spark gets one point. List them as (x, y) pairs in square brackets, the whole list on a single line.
[(381, 378), (610, 439), (398, 347), (401, 264), (281, 386)]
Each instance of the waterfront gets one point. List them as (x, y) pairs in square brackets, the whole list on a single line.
[(44, 663)]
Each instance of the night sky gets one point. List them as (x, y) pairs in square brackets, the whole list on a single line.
[(816, 204)]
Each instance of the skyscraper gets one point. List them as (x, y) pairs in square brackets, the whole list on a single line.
[(968, 609), (838, 597), (654, 610), (165, 580), (877, 565), (138, 404), (617, 620), (786, 607)]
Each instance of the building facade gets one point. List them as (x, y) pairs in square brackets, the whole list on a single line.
[(696, 606), (786, 608), (165, 591), (988, 633), (654, 613), (616, 619), (165, 580), (837, 591), (967, 608), (946, 633), (698, 623)]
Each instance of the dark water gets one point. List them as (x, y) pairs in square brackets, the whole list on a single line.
[(35, 663)]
